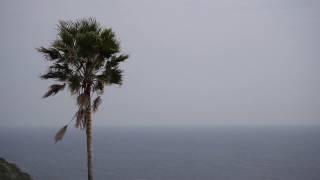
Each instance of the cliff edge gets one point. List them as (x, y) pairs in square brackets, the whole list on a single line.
[(9, 171)]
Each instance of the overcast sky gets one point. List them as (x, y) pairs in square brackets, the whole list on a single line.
[(192, 62)]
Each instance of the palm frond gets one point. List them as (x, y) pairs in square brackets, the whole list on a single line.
[(87, 24), (115, 76), (111, 75), (98, 87), (115, 60), (56, 75), (50, 53), (108, 44), (81, 118), (74, 83), (83, 100), (54, 89), (96, 104), (87, 44), (60, 134)]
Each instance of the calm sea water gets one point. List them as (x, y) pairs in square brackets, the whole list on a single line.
[(168, 153)]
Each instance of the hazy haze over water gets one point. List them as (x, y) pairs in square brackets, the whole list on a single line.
[(227, 153)]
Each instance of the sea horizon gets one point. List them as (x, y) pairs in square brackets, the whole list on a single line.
[(172, 153)]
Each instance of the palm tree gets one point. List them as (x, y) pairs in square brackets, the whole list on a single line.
[(85, 57)]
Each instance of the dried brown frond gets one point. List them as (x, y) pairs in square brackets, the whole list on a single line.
[(83, 100), (60, 134), (81, 118), (96, 104)]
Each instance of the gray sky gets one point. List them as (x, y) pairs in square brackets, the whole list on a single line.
[(193, 62)]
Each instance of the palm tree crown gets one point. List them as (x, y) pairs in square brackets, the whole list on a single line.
[(85, 57)]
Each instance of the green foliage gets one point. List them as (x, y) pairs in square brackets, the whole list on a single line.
[(9, 171), (85, 57)]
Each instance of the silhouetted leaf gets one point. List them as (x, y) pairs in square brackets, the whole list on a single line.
[(54, 89), (96, 104), (60, 134)]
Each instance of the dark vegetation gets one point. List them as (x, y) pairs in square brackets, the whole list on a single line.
[(9, 171)]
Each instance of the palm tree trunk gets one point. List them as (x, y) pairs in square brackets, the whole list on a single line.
[(89, 142)]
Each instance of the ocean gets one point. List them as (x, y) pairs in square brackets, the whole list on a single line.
[(199, 153)]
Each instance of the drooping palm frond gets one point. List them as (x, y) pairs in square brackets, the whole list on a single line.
[(83, 100), (96, 103), (60, 134), (54, 89), (81, 118)]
